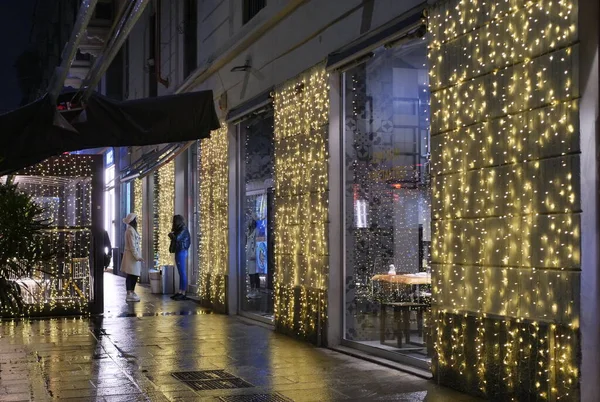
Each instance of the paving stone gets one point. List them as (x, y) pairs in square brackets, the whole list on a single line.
[(130, 353)]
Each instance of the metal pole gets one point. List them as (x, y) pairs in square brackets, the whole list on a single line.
[(70, 50)]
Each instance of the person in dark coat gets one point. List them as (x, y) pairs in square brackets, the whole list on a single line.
[(180, 243), (107, 250)]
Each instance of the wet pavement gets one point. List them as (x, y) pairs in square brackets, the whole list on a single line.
[(149, 304), (132, 353)]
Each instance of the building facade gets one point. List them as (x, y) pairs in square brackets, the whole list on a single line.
[(52, 24), (413, 180)]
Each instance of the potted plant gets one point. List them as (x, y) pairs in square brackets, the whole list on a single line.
[(22, 251)]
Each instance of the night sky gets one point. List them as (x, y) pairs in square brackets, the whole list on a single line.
[(15, 24)]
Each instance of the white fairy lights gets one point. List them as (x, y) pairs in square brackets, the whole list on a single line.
[(138, 206), (505, 167), (301, 182), (165, 195), (62, 185), (213, 187)]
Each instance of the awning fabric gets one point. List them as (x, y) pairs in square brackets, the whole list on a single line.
[(37, 131), (30, 134)]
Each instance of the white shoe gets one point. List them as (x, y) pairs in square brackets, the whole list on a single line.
[(132, 298)]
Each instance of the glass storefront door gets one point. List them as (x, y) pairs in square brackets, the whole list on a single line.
[(387, 204), (256, 271)]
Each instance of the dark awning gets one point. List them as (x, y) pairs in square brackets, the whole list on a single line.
[(37, 131), (32, 133)]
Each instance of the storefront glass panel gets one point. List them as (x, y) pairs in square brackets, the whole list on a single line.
[(388, 204), (256, 276)]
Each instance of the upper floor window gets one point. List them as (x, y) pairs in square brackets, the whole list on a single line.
[(104, 10), (252, 7), (190, 37)]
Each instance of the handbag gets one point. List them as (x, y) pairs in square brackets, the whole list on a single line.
[(172, 246)]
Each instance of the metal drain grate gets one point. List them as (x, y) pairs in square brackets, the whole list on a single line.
[(202, 375), (255, 398), (230, 383), (210, 379)]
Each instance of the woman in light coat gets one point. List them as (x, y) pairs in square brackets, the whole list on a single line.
[(251, 260), (132, 257)]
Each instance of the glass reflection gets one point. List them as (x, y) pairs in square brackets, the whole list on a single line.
[(388, 203), (257, 272)]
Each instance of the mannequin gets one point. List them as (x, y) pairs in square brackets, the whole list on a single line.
[(251, 259)]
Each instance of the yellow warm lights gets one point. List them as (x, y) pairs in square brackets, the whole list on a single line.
[(165, 194), (301, 204), (213, 202), (63, 186), (138, 206), (505, 173)]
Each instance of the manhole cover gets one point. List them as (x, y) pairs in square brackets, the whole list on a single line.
[(255, 398), (210, 379)]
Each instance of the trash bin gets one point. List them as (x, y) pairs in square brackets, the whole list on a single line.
[(155, 281), (170, 279)]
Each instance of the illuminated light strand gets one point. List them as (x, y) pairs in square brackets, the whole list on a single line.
[(505, 166), (138, 206), (64, 188), (213, 202), (301, 119), (164, 190), (526, 29)]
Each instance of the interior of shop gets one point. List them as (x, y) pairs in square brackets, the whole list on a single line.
[(256, 278), (388, 203)]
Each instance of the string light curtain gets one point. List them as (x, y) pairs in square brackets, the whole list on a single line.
[(138, 206), (300, 197), (63, 187), (506, 222), (164, 197), (213, 247)]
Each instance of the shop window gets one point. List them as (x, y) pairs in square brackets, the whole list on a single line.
[(83, 56), (126, 69), (151, 67), (115, 77), (104, 11), (251, 8), (190, 36), (388, 203), (258, 213)]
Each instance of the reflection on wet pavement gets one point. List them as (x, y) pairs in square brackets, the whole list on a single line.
[(130, 355), (149, 304)]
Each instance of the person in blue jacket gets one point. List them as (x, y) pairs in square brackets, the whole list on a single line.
[(180, 243)]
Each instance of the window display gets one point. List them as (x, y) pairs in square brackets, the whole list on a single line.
[(388, 203), (257, 276)]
